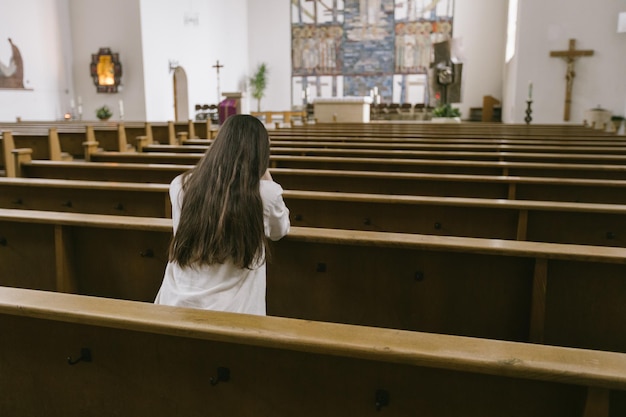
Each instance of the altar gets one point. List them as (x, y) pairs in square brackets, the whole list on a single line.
[(342, 109)]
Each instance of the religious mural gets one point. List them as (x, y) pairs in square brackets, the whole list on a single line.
[(353, 47), (12, 75)]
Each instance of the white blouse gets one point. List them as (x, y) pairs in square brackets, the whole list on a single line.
[(224, 287)]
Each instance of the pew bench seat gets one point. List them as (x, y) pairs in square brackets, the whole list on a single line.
[(160, 361), (501, 289)]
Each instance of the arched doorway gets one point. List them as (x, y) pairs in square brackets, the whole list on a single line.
[(181, 96)]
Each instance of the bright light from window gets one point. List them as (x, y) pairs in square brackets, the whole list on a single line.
[(511, 30)]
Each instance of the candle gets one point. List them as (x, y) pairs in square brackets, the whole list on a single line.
[(80, 100), (530, 90), (121, 109), (72, 104)]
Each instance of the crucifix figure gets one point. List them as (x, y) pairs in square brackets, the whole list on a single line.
[(217, 66), (570, 56)]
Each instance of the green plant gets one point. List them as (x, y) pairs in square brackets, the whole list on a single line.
[(258, 82), (446, 110), (103, 112)]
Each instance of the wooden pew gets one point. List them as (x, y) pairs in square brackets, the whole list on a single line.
[(484, 129), (162, 361), (50, 150), (159, 130), (542, 221), (560, 294), (81, 139), (615, 170), (483, 186), (66, 145), (78, 196), (609, 156), (201, 145), (81, 143), (285, 115)]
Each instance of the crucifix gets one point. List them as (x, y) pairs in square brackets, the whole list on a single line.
[(217, 66), (570, 56)]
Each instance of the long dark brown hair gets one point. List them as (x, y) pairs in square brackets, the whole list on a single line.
[(222, 212)]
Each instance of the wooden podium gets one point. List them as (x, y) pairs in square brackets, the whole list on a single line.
[(489, 103)]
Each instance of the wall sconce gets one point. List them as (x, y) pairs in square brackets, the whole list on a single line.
[(173, 65), (106, 71)]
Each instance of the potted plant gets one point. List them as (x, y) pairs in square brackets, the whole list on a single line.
[(446, 113), (258, 83), (617, 121), (104, 113)]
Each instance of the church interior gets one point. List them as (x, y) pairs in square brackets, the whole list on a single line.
[(452, 172)]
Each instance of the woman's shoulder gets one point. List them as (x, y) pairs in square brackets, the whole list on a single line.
[(270, 189)]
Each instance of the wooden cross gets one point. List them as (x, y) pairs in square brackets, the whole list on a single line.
[(217, 66), (570, 56)]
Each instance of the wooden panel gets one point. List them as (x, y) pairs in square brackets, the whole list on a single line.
[(148, 374), (85, 200), (406, 218), (125, 264), (27, 256), (585, 305), (425, 290)]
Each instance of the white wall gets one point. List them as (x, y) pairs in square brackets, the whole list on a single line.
[(269, 34), (196, 35), (118, 27), (480, 27), (46, 53), (547, 26), (244, 33)]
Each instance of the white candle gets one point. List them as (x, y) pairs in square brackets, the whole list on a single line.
[(530, 90), (121, 109), (72, 104), (80, 100)]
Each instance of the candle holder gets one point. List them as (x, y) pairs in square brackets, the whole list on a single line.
[(529, 111)]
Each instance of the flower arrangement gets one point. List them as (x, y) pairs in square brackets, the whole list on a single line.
[(103, 113)]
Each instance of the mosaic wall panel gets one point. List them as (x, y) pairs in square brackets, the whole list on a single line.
[(349, 47)]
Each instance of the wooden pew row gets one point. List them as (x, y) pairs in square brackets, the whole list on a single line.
[(482, 186), (347, 136), (513, 155), (616, 170), (285, 116), (66, 146), (201, 145), (163, 132), (50, 148), (80, 145), (78, 141), (542, 221), (163, 361), (558, 294), (441, 129)]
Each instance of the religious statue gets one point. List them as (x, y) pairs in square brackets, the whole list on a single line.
[(570, 55), (12, 75), (444, 77)]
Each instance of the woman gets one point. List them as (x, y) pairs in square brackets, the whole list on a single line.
[(223, 211)]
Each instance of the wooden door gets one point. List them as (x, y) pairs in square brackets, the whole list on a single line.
[(181, 96)]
